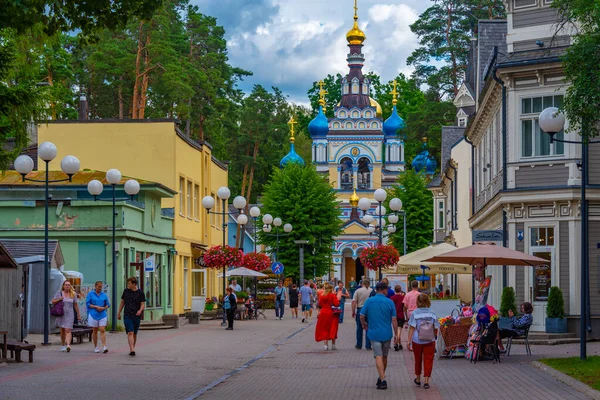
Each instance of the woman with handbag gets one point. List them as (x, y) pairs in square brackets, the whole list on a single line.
[(230, 305), (329, 317), (64, 307)]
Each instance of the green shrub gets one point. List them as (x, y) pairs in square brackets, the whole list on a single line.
[(508, 301), (556, 303)]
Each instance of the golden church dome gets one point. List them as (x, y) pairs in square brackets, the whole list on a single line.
[(355, 35), (354, 199), (376, 106)]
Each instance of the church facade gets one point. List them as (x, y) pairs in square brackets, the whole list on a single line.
[(359, 152)]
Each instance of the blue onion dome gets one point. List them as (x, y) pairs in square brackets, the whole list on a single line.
[(419, 161), (393, 124), (430, 165), (319, 126), (291, 158)]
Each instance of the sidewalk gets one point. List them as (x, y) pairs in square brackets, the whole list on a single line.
[(266, 359)]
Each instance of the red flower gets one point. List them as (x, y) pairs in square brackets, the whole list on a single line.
[(219, 257), (383, 256), (256, 261)]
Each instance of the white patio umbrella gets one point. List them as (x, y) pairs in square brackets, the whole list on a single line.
[(411, 263), (243, 271)]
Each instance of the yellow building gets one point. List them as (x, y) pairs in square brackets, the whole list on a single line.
[(160, 152), (356, 149)]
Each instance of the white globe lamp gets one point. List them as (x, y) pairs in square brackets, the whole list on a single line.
[(224, 193), (95, 187), (113, 176), (70, 165), (396, 204), (552, 120), (239, 202), (287, 228), (267, 219), (47, 151), (277, 222), (364, 204), (132, 187), (242, 219), (208, 202), (254, 212), (24, 164), (380, 195)]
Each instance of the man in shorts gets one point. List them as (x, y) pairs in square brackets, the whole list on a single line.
[(378, 318), (305, 300), (134, 301), (97, 303)]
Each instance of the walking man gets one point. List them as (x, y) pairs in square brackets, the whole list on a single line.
[(410, 300), (134, 301), (345, 295), (305, 300), (378, 318), (97, 303), (280, 298), (360, 296)]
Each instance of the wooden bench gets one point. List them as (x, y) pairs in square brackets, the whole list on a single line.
[(79, 333), (15, 349)]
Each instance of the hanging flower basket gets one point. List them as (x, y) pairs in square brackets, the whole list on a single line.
[(256, 261), (219, 257), (383, 256)]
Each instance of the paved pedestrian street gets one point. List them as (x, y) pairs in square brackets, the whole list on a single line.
[(266, 359)]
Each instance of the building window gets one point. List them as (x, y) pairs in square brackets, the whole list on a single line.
[(186, 282), (355, 86), (534, 141), (364, 174), (441, 214), (181, 196), (197, 202), (365, 88), (346, 174), (345, 86), (542, 275), (212, 215), (189, 199), (462, 121)]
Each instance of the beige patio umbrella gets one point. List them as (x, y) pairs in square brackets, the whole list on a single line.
[(411, 263), (486, 253)]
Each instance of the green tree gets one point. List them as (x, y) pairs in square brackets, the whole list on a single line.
[(302, 197), (416, 203), (582, 69), (508, 301), (444, 32), (333, 87)]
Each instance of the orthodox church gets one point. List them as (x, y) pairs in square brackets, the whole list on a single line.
[(359, 152)]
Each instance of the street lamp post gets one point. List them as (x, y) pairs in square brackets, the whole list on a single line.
[(268, 222), (239, 202), (380, 212), (254, 213), (70, 166), (552, 121), (95, 188)]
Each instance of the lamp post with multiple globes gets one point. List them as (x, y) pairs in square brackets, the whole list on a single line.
[(70, 166)]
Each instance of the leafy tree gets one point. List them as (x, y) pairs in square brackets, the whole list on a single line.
[(444, 32), (416, 203), (302, 197), (508, 301), (582, 100), (333, 87)]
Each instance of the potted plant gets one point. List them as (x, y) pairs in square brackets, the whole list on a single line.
[(381, 256), (256, 261), (507, 302), (241, 296), (555, 312), (223, 256), (209, 305)]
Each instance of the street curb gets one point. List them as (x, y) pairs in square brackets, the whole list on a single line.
[(566, 379)]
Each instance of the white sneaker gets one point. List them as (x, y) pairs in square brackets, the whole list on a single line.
[(326, 347), (333, 347), (96, 350), (63, 349), (105, 349)]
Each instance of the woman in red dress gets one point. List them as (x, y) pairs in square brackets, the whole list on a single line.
[(327, 322)]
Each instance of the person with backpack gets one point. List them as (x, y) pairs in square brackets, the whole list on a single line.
[(230, 305), (422, 334)]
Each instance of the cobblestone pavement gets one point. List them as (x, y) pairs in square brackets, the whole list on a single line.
[(266, 359)]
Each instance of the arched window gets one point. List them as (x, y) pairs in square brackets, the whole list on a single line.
[(364, 174), (354, 85), (349, 125), (346, 173), (362, 125), (368, 114), (374, 125), (342, 114), (345, 86), (355, 114), (365, 86), (337, 125)]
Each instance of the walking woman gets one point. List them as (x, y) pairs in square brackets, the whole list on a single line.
[(422, 335), (294, 301), (70, 308), (327, 322), (230, 304)]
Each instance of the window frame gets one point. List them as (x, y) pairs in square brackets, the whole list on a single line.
[(441, 213), (532, 118), (181, 196)]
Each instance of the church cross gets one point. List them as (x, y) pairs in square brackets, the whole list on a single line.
[(355, 9), (291, 124), (394, 93), (322, 93)]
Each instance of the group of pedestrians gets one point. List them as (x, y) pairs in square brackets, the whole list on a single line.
[(380, 315), (133, 301)]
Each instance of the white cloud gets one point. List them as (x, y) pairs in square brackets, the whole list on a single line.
[(290, 44)]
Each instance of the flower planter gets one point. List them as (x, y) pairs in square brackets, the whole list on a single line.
[(209, 307), (556, 325)]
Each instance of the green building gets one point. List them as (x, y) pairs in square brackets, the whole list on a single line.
[(83, 226)]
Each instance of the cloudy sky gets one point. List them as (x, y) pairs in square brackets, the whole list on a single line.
[(292, 43)]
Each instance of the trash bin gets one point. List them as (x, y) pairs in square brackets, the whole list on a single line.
[(193, 317)]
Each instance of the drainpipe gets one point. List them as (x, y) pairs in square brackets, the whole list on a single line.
[(454, 196), (504, 172), (472, 174)]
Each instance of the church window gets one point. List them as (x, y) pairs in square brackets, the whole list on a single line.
[(365, 88), (368, 114), (337, 125), (348, 125), (355, 86), (362, 125), (346, 174), (355, 114), (342, 114), (345, 86), (374, 125), (364, 174)]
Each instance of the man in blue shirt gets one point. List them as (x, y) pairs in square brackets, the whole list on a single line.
[(378, 318), (97, 303), (305, 300), (280, 298)]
